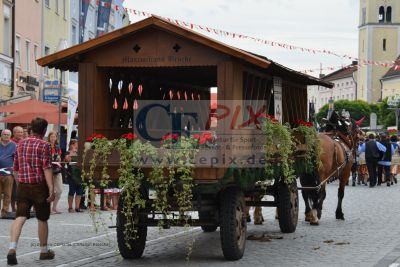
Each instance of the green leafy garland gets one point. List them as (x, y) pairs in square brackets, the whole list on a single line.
[(172, 168), (312, 159), (278, 148)]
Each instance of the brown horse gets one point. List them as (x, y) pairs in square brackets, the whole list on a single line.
[(338, 148)]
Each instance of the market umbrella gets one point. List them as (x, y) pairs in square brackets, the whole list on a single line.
[(30, 106), (52, 118)]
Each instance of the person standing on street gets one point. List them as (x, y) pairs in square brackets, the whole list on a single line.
[(385, 162), (32, 167), (18, 135), (57, 177), (7, 151), (372, 150)]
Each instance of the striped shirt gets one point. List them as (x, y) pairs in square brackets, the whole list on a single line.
[(32, 156)]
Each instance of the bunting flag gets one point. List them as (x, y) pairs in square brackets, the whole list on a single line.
[(233, 35)]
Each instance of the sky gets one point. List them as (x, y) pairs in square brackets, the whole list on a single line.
[(315, 24)]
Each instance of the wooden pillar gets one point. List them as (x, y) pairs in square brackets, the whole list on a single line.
[(87, 85)]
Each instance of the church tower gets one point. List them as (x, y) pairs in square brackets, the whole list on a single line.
[(379, 40)]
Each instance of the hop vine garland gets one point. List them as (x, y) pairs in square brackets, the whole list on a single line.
[(278, 147)]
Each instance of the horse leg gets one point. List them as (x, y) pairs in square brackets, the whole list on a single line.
[(307, 212), (343, 180), (258, 218), (322, 196), (314, 212)]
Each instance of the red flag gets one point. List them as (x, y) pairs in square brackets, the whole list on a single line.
[(358, 123)]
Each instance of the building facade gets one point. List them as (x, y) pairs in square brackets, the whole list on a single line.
[(344, 87), (391, 81), (28, 44), (116, 19), (56, 24), (6, 48), (379, 34)]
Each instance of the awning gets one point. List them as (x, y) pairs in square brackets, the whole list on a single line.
[(52, 118), (28, 106)]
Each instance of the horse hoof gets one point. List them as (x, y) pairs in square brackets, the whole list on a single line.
[(258, 223), (314, 223), (340, 217), (307, 219)]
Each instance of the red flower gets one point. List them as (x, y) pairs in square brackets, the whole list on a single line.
[(196, 136), (95, 136), (207, 136), (202, 140), (169, 136), (129, 136)]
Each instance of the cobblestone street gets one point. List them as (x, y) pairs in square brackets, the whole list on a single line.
[(370, 236)]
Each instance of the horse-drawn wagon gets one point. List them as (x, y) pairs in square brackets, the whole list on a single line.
[(154, 79)]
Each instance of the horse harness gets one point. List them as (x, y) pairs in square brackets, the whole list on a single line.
[(346, 145)]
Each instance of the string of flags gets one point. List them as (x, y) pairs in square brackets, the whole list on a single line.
[(193, 26)]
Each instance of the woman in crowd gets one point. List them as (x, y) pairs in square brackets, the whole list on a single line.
[(394, 168), (74, 177), (362, 166), (57, 177)]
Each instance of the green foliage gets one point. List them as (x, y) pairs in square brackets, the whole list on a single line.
[(357, 110), (278, 143)]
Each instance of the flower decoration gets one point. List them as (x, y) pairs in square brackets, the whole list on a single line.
[(169, 137), (129, 136), (297, 123), (269, 117), (203, 138), (94, 136)]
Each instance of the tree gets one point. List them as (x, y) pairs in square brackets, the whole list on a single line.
[(357, 110), (386, 116)]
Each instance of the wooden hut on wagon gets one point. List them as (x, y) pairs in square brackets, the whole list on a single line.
[(153, 54), (157, 60)]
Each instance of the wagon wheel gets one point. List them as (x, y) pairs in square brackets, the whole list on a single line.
[(288, 206), (207, 228), (133, 249), (232, 223)]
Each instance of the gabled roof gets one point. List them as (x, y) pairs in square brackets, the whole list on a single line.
[(345, 72), (393, 71), (69, 58)]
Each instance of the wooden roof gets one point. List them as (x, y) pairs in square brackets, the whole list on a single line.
[(69, 58)]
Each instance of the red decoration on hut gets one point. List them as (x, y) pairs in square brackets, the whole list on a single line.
[(125, 106), (130, 88), (140, 89), (115, 105)]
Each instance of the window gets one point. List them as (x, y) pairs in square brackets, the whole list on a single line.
[(63, 77), (35, 54), (17, 52), (347, 83), (57, 10), (347, 96), (384, 45), (352, 96), (46, 52), (381, 17), (47, 3), (55, 74), (74, 37), (6, 30), (64, 10), (28, 52), (389, 14)]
